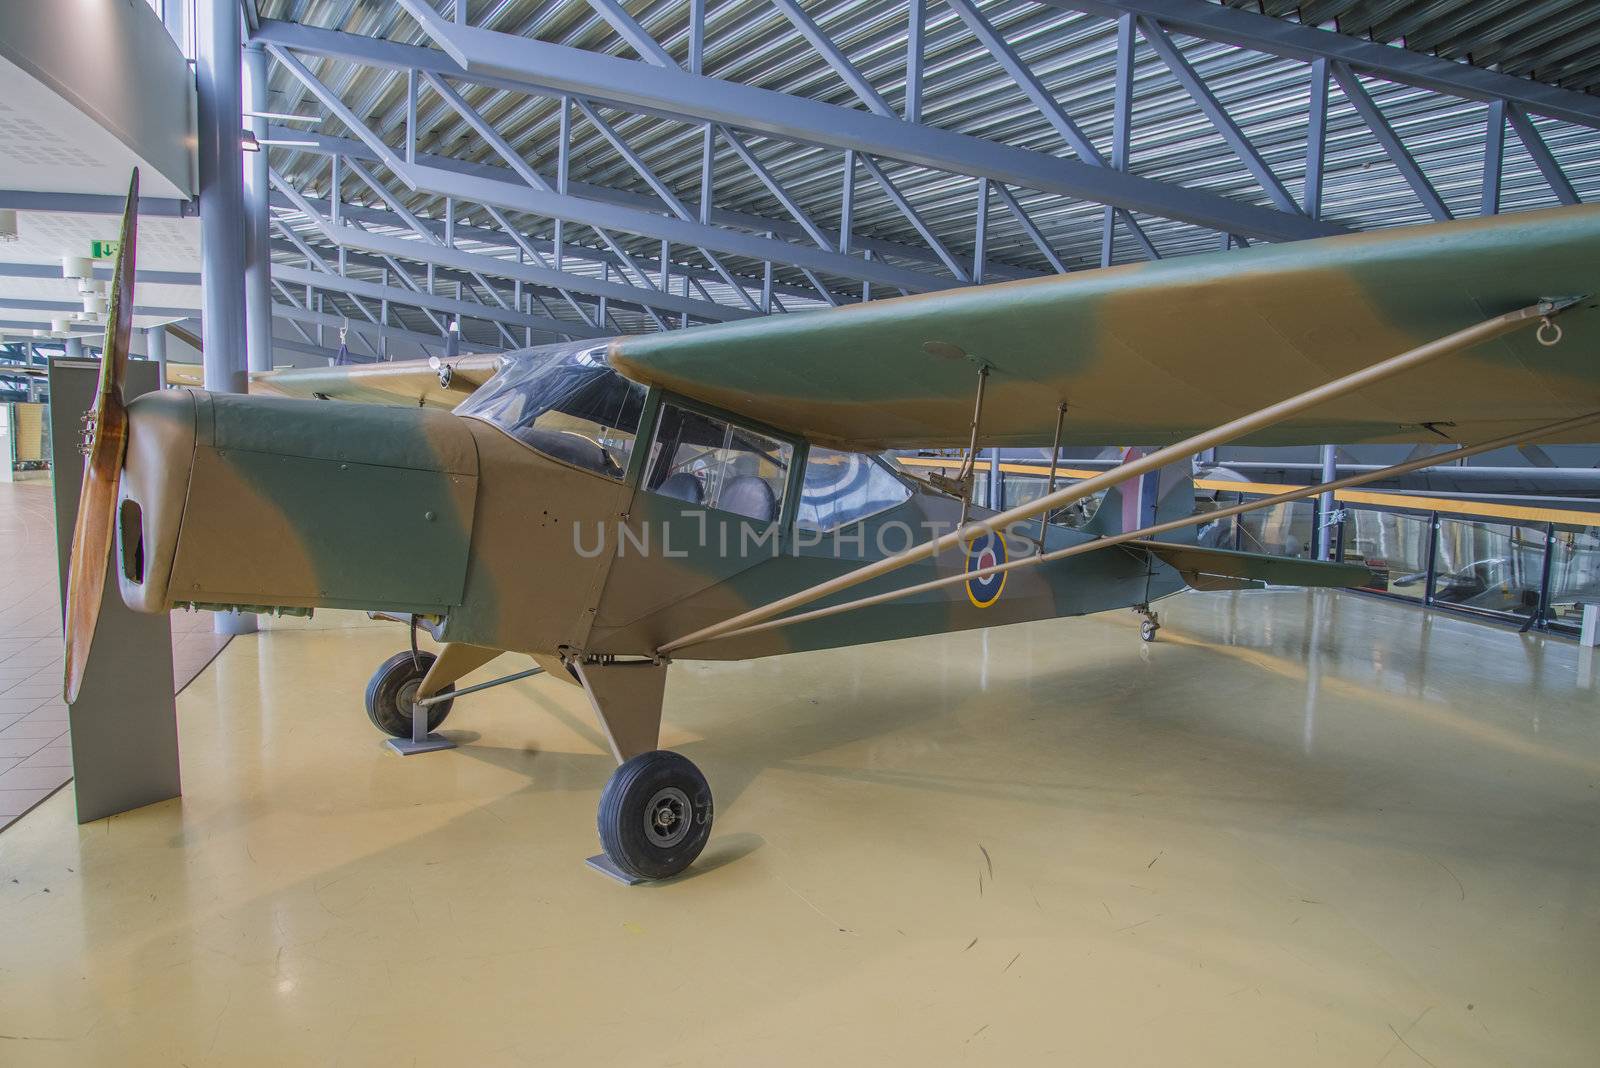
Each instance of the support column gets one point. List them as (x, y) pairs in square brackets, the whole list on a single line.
[(74, 348), (257, 224), (222, 228), (155, 344), (1325, 503)]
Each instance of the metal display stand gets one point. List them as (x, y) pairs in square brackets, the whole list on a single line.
[(421, 741), (125, 720), (602, 864)]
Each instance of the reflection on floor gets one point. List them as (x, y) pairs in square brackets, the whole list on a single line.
[(1307, 829), (35, 750)]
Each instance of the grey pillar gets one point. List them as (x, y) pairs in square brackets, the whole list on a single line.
[(1326, 504), (257, 224), (74, 348), (155, 341), (222, 217), (997, 494)]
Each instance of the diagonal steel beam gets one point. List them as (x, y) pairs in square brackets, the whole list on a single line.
[(470, 115), (1051, 109), (630, 30), (1028, 227), (914, 218), (430, 301), (519, 196), (1528, 134), (834, 57), (528, 273), (506, 60), (1213, 110), (1393, 147), (774, 187), (664, 191), (540, 250), (355, 149), (1292, 40)]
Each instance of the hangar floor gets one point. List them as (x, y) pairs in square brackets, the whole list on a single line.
[(1300, 829)]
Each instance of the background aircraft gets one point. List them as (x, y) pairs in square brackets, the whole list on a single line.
[(710, 494)]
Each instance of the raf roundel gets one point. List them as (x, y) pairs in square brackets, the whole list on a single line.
[(986, 550)]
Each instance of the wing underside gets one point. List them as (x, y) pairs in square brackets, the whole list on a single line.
[(1155, 352)]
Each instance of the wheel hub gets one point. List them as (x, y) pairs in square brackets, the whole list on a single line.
[(667, 817), (405, 698)]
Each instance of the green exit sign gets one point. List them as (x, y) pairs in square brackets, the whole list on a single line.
[(103, 250)]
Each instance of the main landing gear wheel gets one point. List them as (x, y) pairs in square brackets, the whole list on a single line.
[(1147, 630), (393, 689), (655, 815)]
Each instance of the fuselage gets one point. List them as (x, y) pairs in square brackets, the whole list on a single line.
[(530, 520)]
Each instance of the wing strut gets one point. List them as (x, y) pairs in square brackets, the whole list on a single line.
[(1220, 435), (972, 446), (1055, 460), (1139, 537)]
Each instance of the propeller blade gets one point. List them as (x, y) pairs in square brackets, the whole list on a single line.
[(106, 434)]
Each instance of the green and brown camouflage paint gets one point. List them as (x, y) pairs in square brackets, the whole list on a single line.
[(410, 510)]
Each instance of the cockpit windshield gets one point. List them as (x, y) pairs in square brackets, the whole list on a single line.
[(566, 402)]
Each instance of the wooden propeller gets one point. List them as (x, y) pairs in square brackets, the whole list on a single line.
[(105, 440)]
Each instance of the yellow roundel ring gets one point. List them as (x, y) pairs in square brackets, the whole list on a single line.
[(986, 550)]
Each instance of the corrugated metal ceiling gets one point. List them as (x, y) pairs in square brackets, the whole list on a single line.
[(965, 90)]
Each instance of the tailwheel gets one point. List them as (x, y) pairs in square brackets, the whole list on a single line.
[(655, 815), (1150, 624), (393, 689)]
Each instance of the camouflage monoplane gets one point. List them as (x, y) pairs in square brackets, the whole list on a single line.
[(715, 493)]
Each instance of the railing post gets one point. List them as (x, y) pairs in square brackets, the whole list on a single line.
[(1542, 610), (1433, 556)]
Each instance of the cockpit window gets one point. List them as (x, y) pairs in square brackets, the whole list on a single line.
[(566, 402), (703, 460), (844, 487)]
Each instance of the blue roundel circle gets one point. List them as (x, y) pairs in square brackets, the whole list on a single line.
[(986, 550)]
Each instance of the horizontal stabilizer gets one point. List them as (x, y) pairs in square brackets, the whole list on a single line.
[(1227, 569)]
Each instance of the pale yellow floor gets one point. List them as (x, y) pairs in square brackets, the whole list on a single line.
[(1301, 830)]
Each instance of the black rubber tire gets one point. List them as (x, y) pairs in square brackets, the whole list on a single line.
[(1147, 630), (625, 806), (388, 705)]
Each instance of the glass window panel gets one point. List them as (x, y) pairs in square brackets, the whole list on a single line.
[(1282, 530), (1490, 567), (1393, 546), (1574, 575), (708, 461), (845, 487)]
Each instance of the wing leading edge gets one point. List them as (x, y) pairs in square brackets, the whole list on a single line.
[(416, 383), (1152, 353)]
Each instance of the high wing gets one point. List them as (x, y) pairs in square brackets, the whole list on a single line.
[(1152, 353), (416, 383)]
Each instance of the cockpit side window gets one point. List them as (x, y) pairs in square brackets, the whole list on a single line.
[(566, 402), (844, 487), (708, 461)]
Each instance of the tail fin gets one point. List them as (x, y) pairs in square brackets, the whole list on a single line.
[(1146, 500)]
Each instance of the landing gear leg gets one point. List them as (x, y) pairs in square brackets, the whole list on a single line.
[(1151, 623), (655, 812)]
